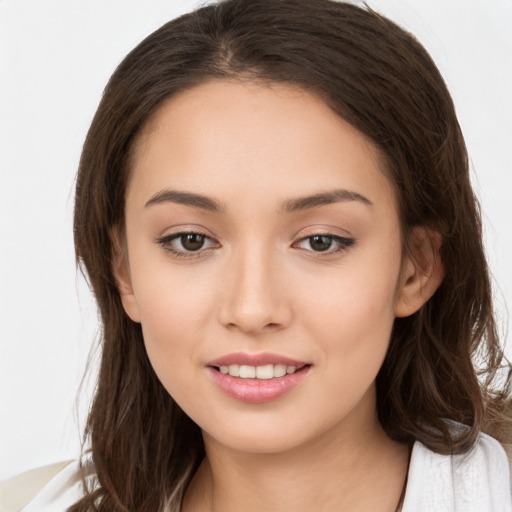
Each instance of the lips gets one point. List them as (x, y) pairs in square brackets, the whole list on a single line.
[(262, 359), (257, 378)]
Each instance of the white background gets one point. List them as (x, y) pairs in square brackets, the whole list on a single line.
[(55, 58)]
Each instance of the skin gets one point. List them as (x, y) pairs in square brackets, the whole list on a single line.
[(258, 285)]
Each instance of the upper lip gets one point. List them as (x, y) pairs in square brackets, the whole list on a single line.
[(260, 359)]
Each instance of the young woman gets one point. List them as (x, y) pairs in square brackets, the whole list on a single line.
[(274, 211)]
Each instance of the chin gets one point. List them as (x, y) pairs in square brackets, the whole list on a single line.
[(263, 436), (278, 442)]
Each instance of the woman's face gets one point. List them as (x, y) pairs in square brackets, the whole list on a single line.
[(262, 232)]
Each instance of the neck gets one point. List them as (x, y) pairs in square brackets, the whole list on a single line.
[(349, 470)]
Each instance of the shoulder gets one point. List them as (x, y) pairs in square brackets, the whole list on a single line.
[(475, 481), (51, 488)]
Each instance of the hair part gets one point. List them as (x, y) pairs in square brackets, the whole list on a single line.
[(381, 80)]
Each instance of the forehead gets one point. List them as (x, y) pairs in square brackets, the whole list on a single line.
[(237, 138)]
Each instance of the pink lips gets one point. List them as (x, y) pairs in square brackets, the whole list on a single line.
[(255, 360), (256, 391)]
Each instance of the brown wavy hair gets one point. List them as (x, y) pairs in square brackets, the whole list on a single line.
[(443, 362)]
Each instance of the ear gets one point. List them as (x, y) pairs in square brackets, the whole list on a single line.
[(121, 271), (422, 271)]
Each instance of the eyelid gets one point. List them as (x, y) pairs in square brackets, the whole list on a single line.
[(344, 243), (166, 240), (322, 228)]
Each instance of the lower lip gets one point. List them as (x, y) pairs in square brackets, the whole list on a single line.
[(257, 391)]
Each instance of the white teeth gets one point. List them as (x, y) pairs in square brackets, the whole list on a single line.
[(279, 370), (265, 372), (268, 371), (247, 372), (234, 370)]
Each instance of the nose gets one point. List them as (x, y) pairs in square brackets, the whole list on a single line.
[(254, 298)]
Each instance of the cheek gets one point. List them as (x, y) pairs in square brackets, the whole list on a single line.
[(173, 307), (352, 326), (353, 312), (354, 299), (171, 297)]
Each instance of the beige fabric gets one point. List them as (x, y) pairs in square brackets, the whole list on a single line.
[(17, 492)]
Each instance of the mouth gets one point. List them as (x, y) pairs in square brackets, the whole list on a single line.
[(263, 372), (257, 378)]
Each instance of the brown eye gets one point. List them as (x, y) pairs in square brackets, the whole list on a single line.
[(320, 243), (186, 244), (329, 244), (192, 241)]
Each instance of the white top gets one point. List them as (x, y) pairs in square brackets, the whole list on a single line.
[(477, 481), (474, 482)]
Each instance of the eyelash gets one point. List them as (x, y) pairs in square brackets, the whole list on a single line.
[(344, 244), (166, 240)]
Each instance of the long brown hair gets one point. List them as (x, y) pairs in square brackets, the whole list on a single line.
[(381, 80)]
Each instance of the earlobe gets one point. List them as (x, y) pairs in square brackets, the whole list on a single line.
[(422, 272), (121, 271)]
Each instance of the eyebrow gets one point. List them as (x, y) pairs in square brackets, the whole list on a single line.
[(186, 198), (290, 206), (322, 199)]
